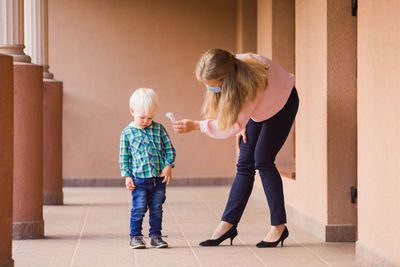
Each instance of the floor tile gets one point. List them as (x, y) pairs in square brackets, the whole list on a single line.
[(92, 229)]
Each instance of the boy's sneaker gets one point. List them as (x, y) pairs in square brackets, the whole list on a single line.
[(137, 242), (158, 242)]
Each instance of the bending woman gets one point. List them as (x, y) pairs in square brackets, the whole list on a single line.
[(253, 97)]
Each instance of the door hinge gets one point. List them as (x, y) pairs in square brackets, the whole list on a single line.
[(354, 5), (353, 193)]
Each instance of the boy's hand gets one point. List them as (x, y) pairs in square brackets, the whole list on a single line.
[(167, 174), (129, 183)]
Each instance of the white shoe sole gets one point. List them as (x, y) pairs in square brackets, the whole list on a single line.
[(138, 247), (161, 246)]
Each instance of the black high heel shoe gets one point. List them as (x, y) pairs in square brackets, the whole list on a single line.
[(231, 233), (264, 244)]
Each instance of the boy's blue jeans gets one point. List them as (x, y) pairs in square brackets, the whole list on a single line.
[(149, 193)]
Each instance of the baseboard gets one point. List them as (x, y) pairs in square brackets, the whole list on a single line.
[(327, 232), (53, 198), (368, 257), (7, 263), (118, 181), (306, 222), (28, 230), (340, 233)]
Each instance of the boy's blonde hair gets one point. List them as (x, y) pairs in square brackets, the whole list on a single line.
[(241, 82), (144, 100)]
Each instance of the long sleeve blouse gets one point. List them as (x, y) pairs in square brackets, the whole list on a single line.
[(267, 103)]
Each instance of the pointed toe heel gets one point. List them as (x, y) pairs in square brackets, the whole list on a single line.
[(231, 233), (264, 244)]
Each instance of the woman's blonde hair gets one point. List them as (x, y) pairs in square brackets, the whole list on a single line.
[(241, 82), (144, 100)]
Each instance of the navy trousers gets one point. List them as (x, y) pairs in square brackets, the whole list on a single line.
[(264, 140)]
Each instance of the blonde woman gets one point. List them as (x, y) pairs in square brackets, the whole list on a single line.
[(253, 97)]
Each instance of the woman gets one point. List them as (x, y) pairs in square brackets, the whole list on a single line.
[(253, 97)]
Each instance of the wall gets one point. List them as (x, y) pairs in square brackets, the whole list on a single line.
[(379, 131), (246, 37), (102, 50)]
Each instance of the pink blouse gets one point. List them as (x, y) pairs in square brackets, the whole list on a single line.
[(267, 103)]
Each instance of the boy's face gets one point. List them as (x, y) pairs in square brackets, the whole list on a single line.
[(141, 119)]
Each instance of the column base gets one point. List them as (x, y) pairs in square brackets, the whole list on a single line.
[(16, 51), (28, 230), (46, 73), (7, 263), (53, 198)]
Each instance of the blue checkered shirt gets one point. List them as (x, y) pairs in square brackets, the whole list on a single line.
[(144, 152)]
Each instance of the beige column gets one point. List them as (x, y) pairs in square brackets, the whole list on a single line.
[(12, 29), (28, 90), (276, 40), (6, 159), (246, 36), (326, 125), (36, 32)]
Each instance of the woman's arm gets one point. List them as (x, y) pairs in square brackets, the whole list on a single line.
[(186, 126), (210, 126)]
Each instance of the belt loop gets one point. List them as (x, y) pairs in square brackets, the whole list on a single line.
[(154, 181)]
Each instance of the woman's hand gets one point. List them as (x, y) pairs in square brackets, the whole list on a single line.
[(185, 126), (242, 133), (167, 174), (129, 183)]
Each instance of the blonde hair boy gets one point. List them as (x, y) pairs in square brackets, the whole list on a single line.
[(144, 100), (146, 160)]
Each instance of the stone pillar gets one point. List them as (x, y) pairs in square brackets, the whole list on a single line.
[(28, 181), (36, 32), (6, 159), (28, 90)]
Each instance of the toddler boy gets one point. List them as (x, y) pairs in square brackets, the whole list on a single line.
[(146, 160)]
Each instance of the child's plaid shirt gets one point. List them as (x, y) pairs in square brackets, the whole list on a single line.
[(144, 152)]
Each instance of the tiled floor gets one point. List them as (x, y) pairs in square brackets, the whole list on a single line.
[(91, 229)]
